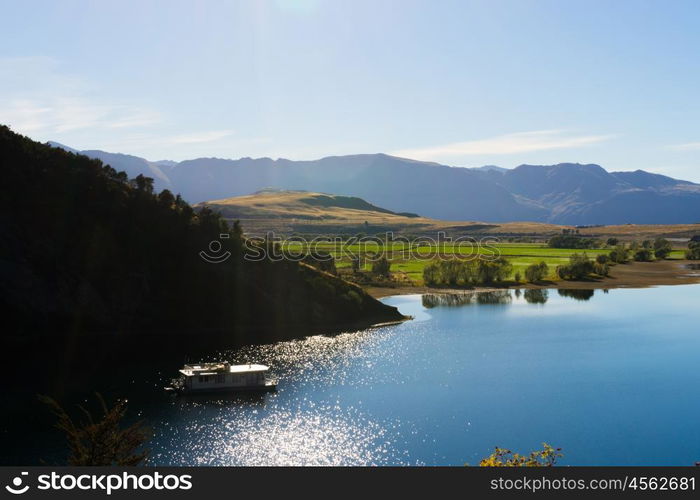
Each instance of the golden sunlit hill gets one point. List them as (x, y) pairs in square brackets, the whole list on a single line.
[(306, 211)]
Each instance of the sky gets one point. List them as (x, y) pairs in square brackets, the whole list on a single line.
[(464, 83)]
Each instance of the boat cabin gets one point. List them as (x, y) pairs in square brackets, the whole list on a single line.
[(223, 376)]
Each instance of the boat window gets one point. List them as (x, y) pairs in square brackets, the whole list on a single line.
[(203, 379), (220, 378)]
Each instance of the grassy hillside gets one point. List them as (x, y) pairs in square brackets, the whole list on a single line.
[(306, 208)]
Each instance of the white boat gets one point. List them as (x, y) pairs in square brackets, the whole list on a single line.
[(223, 376)]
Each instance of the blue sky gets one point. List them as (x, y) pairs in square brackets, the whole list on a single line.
[(463, 83)]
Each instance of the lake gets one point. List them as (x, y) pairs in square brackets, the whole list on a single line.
[(611, 378)]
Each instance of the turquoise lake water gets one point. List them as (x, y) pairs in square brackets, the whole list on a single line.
[(612, 379)]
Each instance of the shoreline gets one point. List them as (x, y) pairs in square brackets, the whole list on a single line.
[(632, 275)]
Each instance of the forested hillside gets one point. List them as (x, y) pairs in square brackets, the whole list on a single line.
[(88, 253)]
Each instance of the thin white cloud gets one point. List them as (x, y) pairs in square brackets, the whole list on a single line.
[(38, 98), (688, 146), (24, 115), (521, 142), (139, 143), (56, 115)]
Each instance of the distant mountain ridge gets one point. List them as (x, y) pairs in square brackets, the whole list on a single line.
[(566, 193)]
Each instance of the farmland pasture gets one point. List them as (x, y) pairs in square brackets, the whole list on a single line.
[(411, 261)]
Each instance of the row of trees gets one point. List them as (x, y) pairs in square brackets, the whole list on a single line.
[(646, 251), (572, 241), (660, 246), (581, 267), (458, 272)]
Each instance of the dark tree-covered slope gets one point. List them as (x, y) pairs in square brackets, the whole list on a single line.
[(86, 253)]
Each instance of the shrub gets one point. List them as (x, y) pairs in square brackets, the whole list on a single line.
[(693, 252), (662, 248), (619, 254), (579, 267), (536, 272), (447, 272), (101, 442), (492, 271), (431, 274), (381, 267), (546, 457), (643, 255), (601, 269)]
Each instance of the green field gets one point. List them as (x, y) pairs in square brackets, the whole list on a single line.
[(520, 255)]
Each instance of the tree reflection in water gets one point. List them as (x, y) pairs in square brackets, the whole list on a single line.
[(501, 297), (536, 295), (431, 300), (576, 294)]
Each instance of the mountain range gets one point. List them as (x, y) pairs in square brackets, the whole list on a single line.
[(566, 193)]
